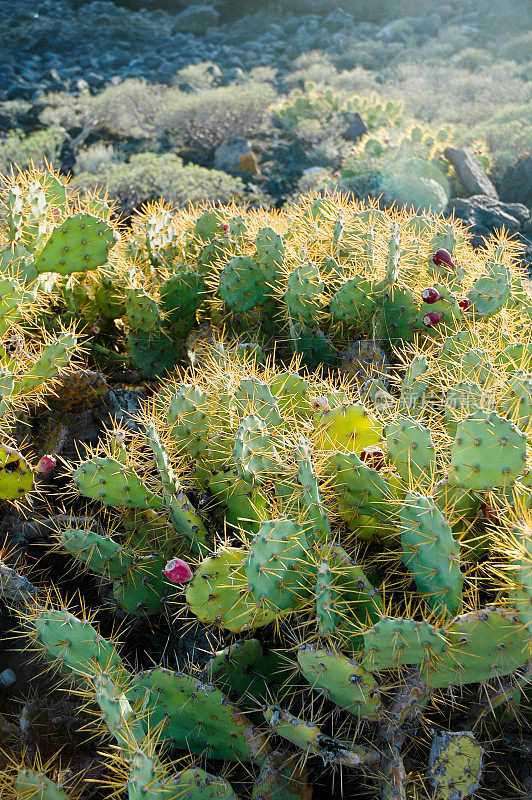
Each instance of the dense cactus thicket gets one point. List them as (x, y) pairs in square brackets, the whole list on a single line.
[(306, 559)]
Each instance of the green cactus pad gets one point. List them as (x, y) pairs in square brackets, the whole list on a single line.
[(99, 553), (152, 354), (303, 295), (291, 393), (517, 404), (281, 778), (80, 243), (309, 738), (182, 513), (143, 589), (482, 645), (354, 302), (255, 397), (393, 643), (270, 251), (242, 285), (197, 716), (246, 670), (362, 485), (30, 784), (411, 450), (196, 784), (314, 347), (218, 593), (16, 476), (316, 522), (77, 644), (237, 504), (463, 398), (351, 428), (397, 316), (521, 582), (488, 452), (255, 454), (277, 567), (455, 765), (142, 311), (414, 387), (490, 293), (189, 426), (113, 483), (54, 357), (341, 680), (181, 296), (430, 553), (475, 365)]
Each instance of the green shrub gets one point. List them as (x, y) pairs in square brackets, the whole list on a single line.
[(37, 148), (127, 109), (148, 176), (204, 120)]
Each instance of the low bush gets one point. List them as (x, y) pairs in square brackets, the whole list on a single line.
[(148, 176)]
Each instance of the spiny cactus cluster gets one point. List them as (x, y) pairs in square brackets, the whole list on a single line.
[(353, 542)]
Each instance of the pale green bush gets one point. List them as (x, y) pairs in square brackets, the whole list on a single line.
[(148, 176), (204, 120), (35, 149)]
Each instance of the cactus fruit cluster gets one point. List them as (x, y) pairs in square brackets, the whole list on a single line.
[(333, 495)]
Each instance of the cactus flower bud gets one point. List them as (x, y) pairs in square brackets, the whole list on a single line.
[(45, 465), (431, 319), (120, 436), (431, 295), (321, 404), (441, 257), (464, 303), (178, 571), (373, 456)]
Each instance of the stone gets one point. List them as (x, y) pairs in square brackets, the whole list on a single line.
[(196, 19), (516, 183), (470, 171), (338, 20), (355, 126), (396, 31), (236, 157), (486, 215)]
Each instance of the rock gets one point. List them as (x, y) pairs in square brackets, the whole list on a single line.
[(516, 183), (396, 31), (486, 215), (232, 75), (196, 19), (338, 20), (470, 172), (236, 157), (354, 125)]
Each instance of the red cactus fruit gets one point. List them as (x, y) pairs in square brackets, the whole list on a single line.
[(178, 571), (487, 511), (464, 303), (431, 295), (226, 227), (45, 465), (441, 257), (373, 456), (431, 319)]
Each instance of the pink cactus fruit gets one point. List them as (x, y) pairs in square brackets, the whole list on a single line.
[(46, 465), (431, 295), (178, 571), (442, 256), (432, 318)]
